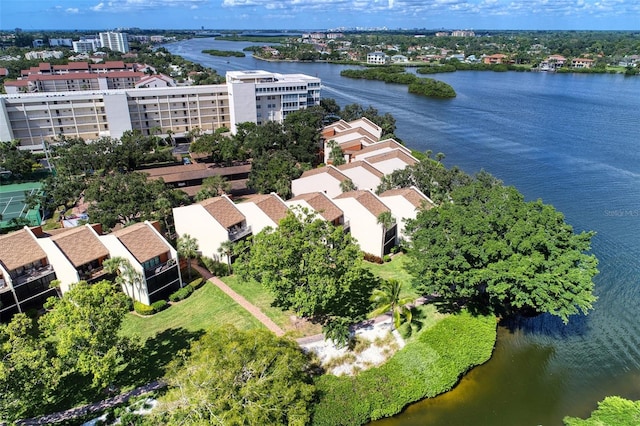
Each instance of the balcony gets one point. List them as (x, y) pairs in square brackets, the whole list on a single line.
[(159, 269), (237, 233), (166, 274), (32, 275)]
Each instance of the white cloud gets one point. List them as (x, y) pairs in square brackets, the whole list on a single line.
[(72, 10), (116, 6)]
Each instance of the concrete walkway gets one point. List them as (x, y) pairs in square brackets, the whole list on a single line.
[(252, 309), (76, 412)]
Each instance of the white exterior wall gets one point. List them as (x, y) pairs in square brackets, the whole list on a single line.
[(32, 117), (401, 209), (199, 224), (242, 103), (362, 178), (321, 182), (117, 110), (117, 249), (364, 225), (256, 218), (65, 271), (6, 134)]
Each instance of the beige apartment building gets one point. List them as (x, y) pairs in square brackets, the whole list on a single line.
[(37, 117)]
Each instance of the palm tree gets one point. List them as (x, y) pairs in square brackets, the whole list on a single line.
[(387, 220), (188, 248), (126, 274), (387, 298), (347, 185), (226, 249)]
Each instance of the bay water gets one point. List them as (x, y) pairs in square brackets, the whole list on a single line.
[(572, 140)]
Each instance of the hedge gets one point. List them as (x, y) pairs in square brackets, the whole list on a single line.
[(143, 309), (426, 367), (181, 294), (197, 283), (160, 305), (219, 269)]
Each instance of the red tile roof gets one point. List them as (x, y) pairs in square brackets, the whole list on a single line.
[(368, 200), (321, 204), (80, 245), (18, 249), (272, 206), (141, 241), (366, 166), (223, 210), (330, 170), (415, 197)]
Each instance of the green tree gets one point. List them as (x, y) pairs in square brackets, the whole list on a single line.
[(127, 277), (273, 172), (387, 298), (311, 267), (387, 220), (612, 411), (188, 249), (336, 155), (238, 377), (212, 187), (488, 249), (29, 375), (123, 198), (84, 328), (226, 250), (18, 162), (347, 185)]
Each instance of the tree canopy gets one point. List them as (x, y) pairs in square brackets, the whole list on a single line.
[(488, 249), (311, 267), (75, 343), (233, 377), (126, 198), (612, 411)]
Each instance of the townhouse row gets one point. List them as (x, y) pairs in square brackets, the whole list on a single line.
[(218, 220), (343, 195), (32, 258)]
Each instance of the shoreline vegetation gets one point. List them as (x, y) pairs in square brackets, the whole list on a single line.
[(419, 86), (224, 53)]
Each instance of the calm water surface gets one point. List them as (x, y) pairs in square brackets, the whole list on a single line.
[(574, 142)]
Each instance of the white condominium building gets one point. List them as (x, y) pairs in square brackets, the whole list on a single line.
[(260, 96), (36, 117), (115, 41)]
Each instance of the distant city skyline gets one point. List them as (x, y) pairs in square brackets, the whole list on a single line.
[(318, 14)]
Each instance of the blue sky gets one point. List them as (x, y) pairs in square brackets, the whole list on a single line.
[(321, 14)]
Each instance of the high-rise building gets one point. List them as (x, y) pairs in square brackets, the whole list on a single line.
[(254, 96), (115, 41), (260, 96)]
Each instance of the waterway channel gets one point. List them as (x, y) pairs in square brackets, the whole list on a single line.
[(571, 140)]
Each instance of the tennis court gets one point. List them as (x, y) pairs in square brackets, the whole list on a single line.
[(12, 203)]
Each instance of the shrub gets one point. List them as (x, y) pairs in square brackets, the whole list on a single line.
[(430, 365), (372, 258), (219, 269), (181, 294), (142, 309), (159, 305), (197, 283), (386, 258)]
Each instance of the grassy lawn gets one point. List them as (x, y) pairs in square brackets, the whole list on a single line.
[(206, 307), (261, 298), (394, 269)]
